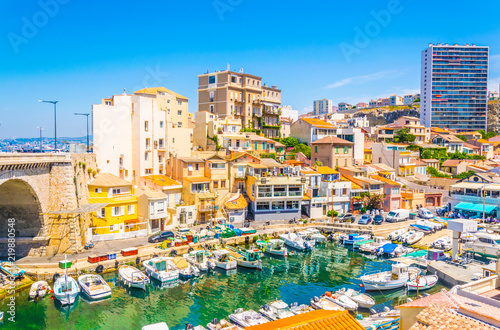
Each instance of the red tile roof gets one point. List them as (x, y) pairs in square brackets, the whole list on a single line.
[(332, 140)]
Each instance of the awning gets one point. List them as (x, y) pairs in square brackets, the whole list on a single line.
[(87, 208), (131, 220), (271, 104), (487, 208), (468, 185)]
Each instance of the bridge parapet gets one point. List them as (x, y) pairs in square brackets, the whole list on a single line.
[(10, 161)]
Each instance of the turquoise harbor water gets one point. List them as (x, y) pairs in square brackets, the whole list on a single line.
[(216, 294)]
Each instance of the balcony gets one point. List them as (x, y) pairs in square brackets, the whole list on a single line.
[(202, 195), (240, 175), (272, 111), (475, 199)]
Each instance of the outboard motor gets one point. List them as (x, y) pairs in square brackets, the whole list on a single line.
[(189, 326), (316, 299)]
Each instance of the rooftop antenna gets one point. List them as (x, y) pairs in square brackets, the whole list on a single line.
[(241, 70), (124, 91), (228, 67)]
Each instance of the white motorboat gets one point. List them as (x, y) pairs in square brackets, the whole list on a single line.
[(430, 224), (342, 300), (443, 243), (300, 309), (312, 234), (403, 237), (274, 247), (66, 289), (185, 269), (247, 318), (247, 258), (486, 244), (223, 260), (414, 237), (422, 282), (161, 270), (276, 310), (394, 279), (326, 304), (94, 286), (221, 325), (296, 242), (362, 299), (396, 235), (200, 259), (39, 289), (133, 277), (371, 247)]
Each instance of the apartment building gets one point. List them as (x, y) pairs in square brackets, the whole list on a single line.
[(308, 130), (454, 86), (362, 105), (321, 107), (332, 151), (262, 145), (386, 133), (392, 191), (135, 133), (344, 106), (396, 100), (409, 99), (209, 124), (395, 156), (335, 189), (242, 95), (451, 142), (288, 112)]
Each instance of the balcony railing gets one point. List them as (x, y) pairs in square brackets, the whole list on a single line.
[(475, 199)]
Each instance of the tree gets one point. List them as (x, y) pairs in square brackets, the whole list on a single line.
[(488, 135), (461, 137), (268, 155), (318, 163), (306, 150), (464, 175), (427, 154), (435, 173), (404, 136), (290, 142), (374, 202)]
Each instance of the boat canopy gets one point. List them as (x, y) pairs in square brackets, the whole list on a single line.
[(475, 207), (387, 248)]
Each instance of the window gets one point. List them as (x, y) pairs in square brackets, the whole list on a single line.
[(263, 145), (345, 162), (101, 213), (118, 211), (149, 171), (179, 113), (145, 156), (211, 79), (280, 205), (147, 143), (292, 205), (113, 227), (261, 206), (179, 124), (264, 191), (116, 191), (256, 145), (98, 190), (130, 209), (190, 167), (223, 183), (218, 166), (316, 149), (346, 150), (196, 167), (152, 208), (279, 191), (294, 191), (160, 207), (179, 102), (160, 142), (216, 184), (146, 125)]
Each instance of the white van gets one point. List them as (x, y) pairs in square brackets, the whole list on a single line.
[(398, 215), (425, 213)]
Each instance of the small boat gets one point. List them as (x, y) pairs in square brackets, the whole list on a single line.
[(443, 243), (393, 279), (372, 322), (94, 286), (246, 258), (353, 238), (276, 310), (300, 309), (431, 224), (223, 260), (247, 318), (371, 247), (156, 326), (342, 300), (395, 235), (244, 231), (221, 325), (484, 244), (185, 269), (414, 238), (359, 244), (133, 277), (422, 282), (362, 299), (39, 289), (200, 259), (403, 237), (316, 235), (161, 270), (326, 304), (422, 228), (296, 242), (274, 247), (11, 269), (66, 289)]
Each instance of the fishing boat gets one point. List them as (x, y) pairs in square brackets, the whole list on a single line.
[(11, 269), (353, 238), (395, 235), (39, 289), (296, 242), (373, 322), (221, 325), (362, 299), (393, 250), (358, 245), (422, 282), (200, 259), (276, 310), (246, 258), (300, 309), (342, 300), (244, 231), (94, 286), (133, 277), (371, 247), (223, 260), (389, 280), (185, 269), (66, 289), (326, 304), (486, 244), (161, 270), (247, 318), (414, 238), (274, 247)]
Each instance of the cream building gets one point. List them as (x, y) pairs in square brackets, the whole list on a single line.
[(135, 133)]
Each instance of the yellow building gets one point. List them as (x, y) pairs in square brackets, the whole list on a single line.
[(120, 213), (368, 156)]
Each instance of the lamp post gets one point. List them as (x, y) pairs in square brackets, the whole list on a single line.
[(40, 129), (86, 115), (55, 121)]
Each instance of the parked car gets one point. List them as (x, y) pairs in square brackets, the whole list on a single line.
[(366, 219), (346, 216), (398, 215), (378, 219), (425, 213), (160, 236)]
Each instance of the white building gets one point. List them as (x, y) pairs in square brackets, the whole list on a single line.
[(322, 107), (135, 133), (344, 106), (396, 100), (287, 112)]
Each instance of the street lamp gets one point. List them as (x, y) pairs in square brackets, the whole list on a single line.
[(86, 115), (55, 121), (40, 129)]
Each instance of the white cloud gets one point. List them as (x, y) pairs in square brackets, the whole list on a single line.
[(365, 78), (307, 109)]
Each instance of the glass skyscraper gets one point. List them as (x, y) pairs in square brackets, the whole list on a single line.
[(454, 87)]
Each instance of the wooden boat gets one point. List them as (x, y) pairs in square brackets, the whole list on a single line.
[(201, 259), (221, 325), (300, 309), (414, 238), (326, 304), (389, 280), (39, 289), (274, 247), (246, 258), (133, 277), (94, 286), (342, 300), (66, 289), (185, 269), (362, 299), (422, 282), (276, 310), (161, 270), (247, 318), (223, 260), (11, 269)]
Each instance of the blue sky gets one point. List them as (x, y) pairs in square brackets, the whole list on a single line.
[(81, 51)]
